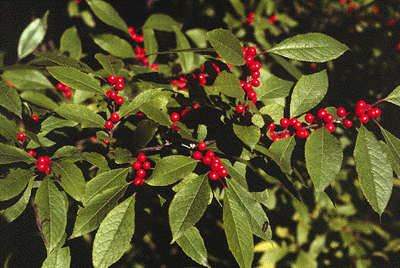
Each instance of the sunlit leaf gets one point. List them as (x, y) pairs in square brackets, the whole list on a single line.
[(14, 183), (59, 257), (111, 64), (114, 45), (71, 43), (11, 154), (70, 178), (394, 96), (81, 114), (39, 100), (27, 79), (107, 14), (282, 151), (273, 87), (65, 61), (8, 129), (250, 135), (228, 84), (9, 99), (192, 244)]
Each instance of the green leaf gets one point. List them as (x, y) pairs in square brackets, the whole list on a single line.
[(282, 151), (273, 87), (250, 135), (107, 14), (81, 114), (374, 170), (238, 231), (274, 110), (11, 213), (59, 257), (14, 183), (253, 210), (52, 210), (95, 159), (312, 47), (123, 156), (170, 169), (10, 154), (114, 235), (65, 151), (258, 120), (70, 178), (394, 96), (65, 61), (161, 22), (105, 181), (201, 132), (227, 46), (76, 79), (144, 133), (87, 17), (192, 244), (228, 84), (324, 158), (53, 122), (239, 8), (71, 43), (188, 205), (237, 171), (27, 79), (308, 92), (32, 36), (393, 144), (39, 100), (150, 43), (186, 58), (110, 64), (8, 129), (90, 217), (114, 45), (9, 99)]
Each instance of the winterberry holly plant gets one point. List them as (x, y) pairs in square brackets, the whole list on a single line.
[(84, 146)]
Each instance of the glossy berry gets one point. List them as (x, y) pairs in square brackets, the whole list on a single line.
[(119, 100), (216, 160), (272, 134), (330, 127), (293, 121), (285, 135), (120, 80), (113, 95), (364, 118), (210, 154), (137, 165), (60, 86), (284, 122), (322, 113), (146, 165), (341, 112), (112, 79), (255, 82), (302, 133), (309, 118), (114, 117), (32, 153), (348, 123), (247, 86), (202, 146), (360, 111), (215, 166), (377, 111), (175, 117), (361, 104), (271, 126), (213, 175), (141, 157), (68, 94), (119, 86), (328, 118), (21, 136), (249, 59), (222, 172), (371, 113), (251, 94), (255, 74), (206, 160), (66, 88), (141, 173), (251, 51), (196, 106), (197, 155), (109, 124), (240, 109), (254, 66), (42, 167), (138, 181), (35, 117), (43, 160), (297, 125)]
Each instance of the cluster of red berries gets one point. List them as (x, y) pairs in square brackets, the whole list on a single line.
[(118, 84), (136, 37), (291, 127), (366, 111), (139, 51), (272, 19), (175, 118), (180, 83), (43, 164), (141, 165), (218, 169), (65, 89), (250, 18)]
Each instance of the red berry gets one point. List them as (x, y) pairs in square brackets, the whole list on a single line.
[(114, 117), (240, 109), (42, 167), (138, 181), (109, 124), (297, 125), (112, 79), (222, 172), (272, 134), (213, 175), (141, 173), (271, 126), (146, 165), (214, 166), (210, 154), (66, 88), (292, 121), (330, 127), (309, 118), (60, 86), (302, 133), (361, 104), (68, 94), (119, 86), (197, 155), (133, 35), (341, 112), (35, 117), (322, 113), (255, 82), (328, 118), (21, 136), (285, 135), (141, 157), (120, 80), (137, 165), (206, 160), (113, 95), (249, 59), (196, 106), (32, 153), (119, 100), (175, 117), (139, 38), (364, 118), (371, 113), (202, 146), (43, 160), (377, 111), (175, 127), (131, 29), (275, 138), (252, 51), (284, 122), (251, 94), (348, 123), (242, 83), (360, 111), (247, 86), (216, 160), (255, 74), (254, 66)]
